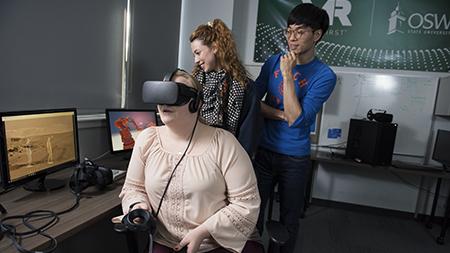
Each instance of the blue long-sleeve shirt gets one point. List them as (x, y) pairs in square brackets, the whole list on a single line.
[(314, 83)]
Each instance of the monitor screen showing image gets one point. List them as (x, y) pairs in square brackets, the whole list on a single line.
[(124, 125), (36, 143), (441, 152)]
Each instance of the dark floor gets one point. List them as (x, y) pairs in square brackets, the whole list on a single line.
[(353, 230)]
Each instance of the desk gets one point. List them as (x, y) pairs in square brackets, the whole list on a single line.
[(91, 210), (398, 167)]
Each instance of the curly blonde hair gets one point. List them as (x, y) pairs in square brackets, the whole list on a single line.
[(217, 33)]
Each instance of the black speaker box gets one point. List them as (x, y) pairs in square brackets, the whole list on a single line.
[(371, 142)]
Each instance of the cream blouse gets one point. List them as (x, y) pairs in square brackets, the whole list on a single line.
[(214, 186)]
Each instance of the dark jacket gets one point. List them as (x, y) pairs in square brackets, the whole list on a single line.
[(250, 121)]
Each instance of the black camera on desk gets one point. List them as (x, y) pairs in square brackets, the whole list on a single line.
[(89, 174), (370, 141)]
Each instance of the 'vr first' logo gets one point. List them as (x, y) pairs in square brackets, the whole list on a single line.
[(337, 9)]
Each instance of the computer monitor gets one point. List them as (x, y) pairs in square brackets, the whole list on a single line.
[(441, 151), (124, 125), (34, 144)]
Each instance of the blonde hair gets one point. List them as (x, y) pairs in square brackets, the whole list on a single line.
[(217, 34), (192, 81)]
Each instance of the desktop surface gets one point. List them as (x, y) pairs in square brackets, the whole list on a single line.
[(398, 166), (94, 206)]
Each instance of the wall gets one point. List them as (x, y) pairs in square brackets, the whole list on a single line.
[(76, 62), (154, 51), (151, 57), (194, 13), (154, 44), (61, 54), (337, 183), (92, 138)]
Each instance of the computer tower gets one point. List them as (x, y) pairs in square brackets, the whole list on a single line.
[(370, 141)]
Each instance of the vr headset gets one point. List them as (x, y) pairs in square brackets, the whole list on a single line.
[(381, 116), (167, 93)]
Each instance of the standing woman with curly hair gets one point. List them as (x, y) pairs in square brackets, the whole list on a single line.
[(228, 98)]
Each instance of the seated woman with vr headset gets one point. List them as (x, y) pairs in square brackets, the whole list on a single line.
[(197, 180)]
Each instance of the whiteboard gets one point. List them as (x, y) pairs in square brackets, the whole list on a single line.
[(409, 98)]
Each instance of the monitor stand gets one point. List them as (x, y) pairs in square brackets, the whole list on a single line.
[(2, 209), (42, 185)]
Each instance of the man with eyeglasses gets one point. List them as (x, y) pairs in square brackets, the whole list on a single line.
[(296, 84)]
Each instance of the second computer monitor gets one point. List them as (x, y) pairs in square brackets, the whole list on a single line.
[(124, 125)]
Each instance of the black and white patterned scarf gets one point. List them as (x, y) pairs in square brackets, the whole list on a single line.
[(222, 100)]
